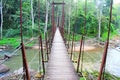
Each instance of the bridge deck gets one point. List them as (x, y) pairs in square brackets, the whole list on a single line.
[(59, 65)]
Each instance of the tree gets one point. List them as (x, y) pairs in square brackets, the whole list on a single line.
[(32, 15), (99, 7), (1, 20), (46, 18)]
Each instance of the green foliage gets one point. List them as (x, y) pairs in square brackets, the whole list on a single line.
[(12, 33), (107, 76), (91, 28), (11, 15), (10, 42), (81, 78), (104, 36)]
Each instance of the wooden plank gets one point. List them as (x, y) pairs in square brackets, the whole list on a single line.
[(60, 66)]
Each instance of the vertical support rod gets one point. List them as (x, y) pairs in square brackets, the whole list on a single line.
[(69, 24), (39, 37), (82, 53), (21, 21), (25, 66), (69, 40), (42, 55), (106, 47), (79, 57), (72, 47), (53, 24), (39, 57), (38, 15), (63, 20), (47, 47)]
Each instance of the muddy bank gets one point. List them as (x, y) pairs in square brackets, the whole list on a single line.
[(86, 48)]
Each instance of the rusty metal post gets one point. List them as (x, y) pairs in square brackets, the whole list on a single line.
[(25, 65), (46, 41), (72, 47), (21, 21), (43, 65), (69, 40), (81, 42), (63, 15), (39, 15), (53, 23), (106, 47)]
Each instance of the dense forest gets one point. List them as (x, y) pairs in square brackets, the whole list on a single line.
[(97, 16)]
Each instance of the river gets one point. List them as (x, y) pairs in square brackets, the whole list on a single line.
[(113, 62), (92, 60)]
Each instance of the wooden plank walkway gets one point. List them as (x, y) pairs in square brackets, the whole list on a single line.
[(60, 66)]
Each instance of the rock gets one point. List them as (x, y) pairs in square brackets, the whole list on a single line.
[(2, 47), (3, 68), (1, 50), (20, 71)]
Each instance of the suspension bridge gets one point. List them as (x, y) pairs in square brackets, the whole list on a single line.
[(59, 65)]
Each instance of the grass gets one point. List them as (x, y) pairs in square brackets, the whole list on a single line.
[(104, 36), (14, 42), (107, 76), (81, 78)]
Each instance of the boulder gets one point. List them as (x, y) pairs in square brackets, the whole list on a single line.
[(1, 50), (3, 68)]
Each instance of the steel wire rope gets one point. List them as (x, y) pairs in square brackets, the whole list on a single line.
[(30, 62), (15, 52), (94, 65), (22, 75)]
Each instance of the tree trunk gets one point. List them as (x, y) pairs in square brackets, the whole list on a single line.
[(69, 19), (1, 20), (46, 20), (99, 21), (32, 15)]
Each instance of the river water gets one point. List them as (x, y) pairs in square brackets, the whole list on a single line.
[(113, 62), (15, 62), (91, 57)]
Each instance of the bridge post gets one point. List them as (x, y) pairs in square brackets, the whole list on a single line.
[(42, 55), (63, 19), (53, 23), (25, 65), (102, 67)]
